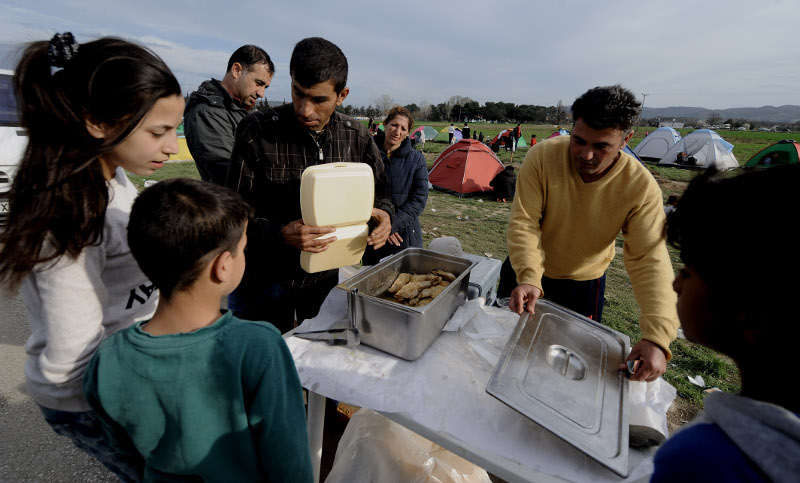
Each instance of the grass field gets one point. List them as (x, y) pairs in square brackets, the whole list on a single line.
[(479, 222)]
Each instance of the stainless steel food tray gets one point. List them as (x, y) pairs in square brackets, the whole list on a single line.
[(398, 329), (560, 369)]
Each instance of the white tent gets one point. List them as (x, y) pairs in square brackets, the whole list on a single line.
[(707, 147), (658, 142)]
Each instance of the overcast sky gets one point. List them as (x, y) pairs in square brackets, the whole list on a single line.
[(708, 53)]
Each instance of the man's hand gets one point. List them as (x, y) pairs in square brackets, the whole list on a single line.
[(654, 361), (304, 237), (524, 297), (395, 239), (381, 232)]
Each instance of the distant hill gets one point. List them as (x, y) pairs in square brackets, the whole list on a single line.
[(786, 113)]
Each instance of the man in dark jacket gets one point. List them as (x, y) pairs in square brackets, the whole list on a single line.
[(504, 184), (214, 110), (272, 149)]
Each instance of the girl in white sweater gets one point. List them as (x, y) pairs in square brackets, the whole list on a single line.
[(92, 112)]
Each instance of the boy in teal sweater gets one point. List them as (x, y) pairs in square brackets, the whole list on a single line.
[(190, 393)]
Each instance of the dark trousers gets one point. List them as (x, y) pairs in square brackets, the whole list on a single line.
[(277, 302), (585, 297)]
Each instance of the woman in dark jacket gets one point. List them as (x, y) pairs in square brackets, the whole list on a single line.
[(407, 173)]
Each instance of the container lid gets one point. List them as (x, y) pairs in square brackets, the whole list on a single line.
[(337, 194), (560, 369), (348, 249)]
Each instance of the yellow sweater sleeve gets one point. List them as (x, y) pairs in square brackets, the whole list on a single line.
[(524, 235), (650, 269)]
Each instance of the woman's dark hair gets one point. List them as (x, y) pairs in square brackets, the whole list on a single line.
[(179, 225), (739, 234), (59, 196), (316, 60), (399, 111)]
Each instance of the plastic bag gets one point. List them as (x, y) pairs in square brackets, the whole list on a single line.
[(374, 448), (648, 406)]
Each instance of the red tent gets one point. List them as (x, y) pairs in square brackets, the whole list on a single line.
[(465, 167)]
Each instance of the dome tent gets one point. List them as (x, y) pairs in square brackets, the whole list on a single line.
[(786, 151), (657, 143), (444, 137), (707, 147), (467, 166), (559, 132)]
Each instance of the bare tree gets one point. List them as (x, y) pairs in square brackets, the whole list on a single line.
[(561, 113), (384, 103), (714, 119), (455, 103), (424, 110)]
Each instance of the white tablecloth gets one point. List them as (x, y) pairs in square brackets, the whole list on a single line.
[(445, 392)]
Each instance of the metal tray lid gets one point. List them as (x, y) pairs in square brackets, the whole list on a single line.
[(560, 369)]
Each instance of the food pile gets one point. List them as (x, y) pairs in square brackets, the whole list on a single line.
[(420, 290)]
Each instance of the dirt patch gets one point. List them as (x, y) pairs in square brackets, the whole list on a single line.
[(681, 412)]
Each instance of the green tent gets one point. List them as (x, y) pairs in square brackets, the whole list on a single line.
[(786, 151)]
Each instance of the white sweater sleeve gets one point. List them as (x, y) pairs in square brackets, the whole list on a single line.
[(71, 297), (75, 303)]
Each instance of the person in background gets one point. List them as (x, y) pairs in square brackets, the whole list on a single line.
[(504, 184), (220, 392), (480, 137), (533, 140), (451, 132), (517, 135), (92, 112), (672, 202), (465, 131), (753, 435), (214, 110), (421, 136), (273, 147), (407, 174), (475, 135), (575, 194)]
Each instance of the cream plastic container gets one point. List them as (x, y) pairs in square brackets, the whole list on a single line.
[(339, 195)]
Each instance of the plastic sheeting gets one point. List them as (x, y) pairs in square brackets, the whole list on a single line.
[(373, 448), (444, 391)]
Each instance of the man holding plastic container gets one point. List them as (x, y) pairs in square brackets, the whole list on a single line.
[(272, 149), (574, 195)]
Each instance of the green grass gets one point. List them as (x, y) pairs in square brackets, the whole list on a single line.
[(480, 224)]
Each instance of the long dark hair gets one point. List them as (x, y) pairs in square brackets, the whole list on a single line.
[(59, 196)]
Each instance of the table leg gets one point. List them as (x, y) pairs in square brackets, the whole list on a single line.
[(316, 423)]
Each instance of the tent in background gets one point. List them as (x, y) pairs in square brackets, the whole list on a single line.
[(504, 136), (467, 166), (430, 133), (627, 149), (786, 151), (443, 137), (707, 147), (657, 143), (561, 132)]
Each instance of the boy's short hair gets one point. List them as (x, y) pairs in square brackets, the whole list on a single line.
[(607, 106), (738, 233), (179, 225), (316, 60)]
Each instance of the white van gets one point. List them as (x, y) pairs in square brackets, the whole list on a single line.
[(13, 140)]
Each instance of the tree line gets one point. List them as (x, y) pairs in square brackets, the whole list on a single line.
[(459, 109)]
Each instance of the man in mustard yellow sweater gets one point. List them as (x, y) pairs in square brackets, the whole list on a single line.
[(574, 195)]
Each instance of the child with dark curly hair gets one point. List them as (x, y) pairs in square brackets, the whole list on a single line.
[(737, 294)]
